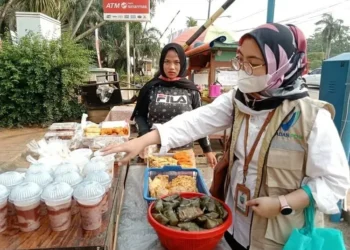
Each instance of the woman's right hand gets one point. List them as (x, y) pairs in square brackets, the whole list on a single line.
[(133, 147)]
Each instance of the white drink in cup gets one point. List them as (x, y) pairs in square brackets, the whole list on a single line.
[(4, 193), (26, 197), (11, 179), (73, 179), (105, 180), (88, 195), (58, 199), (42, 178)]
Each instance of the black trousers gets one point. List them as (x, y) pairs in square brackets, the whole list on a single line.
[(233, 243)]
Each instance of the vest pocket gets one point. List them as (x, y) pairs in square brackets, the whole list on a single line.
[(279, 228), (284, 170)]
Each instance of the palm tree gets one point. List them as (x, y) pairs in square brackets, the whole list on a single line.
[(332, 29), (191, 22)]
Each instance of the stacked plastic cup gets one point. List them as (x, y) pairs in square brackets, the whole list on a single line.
[(39, 167), (108, 159), (4, 193), (26, 197), (95, 165), (58, 199), (73, 179), (88, 195), (43, 179), (10, 180), (66, 167), (105, 180)]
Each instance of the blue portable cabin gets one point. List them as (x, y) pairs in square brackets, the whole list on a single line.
[(335, 89)]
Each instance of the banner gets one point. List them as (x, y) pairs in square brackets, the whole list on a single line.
[(127, 10)]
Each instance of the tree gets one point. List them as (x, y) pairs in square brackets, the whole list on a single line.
[(191, 22), (332, 30)]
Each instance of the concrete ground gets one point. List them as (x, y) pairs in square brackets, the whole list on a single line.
[(13, 150)]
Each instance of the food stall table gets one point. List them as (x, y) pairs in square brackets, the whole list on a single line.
[(75, 237), (134, 232)]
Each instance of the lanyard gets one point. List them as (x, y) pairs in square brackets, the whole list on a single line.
[(248, 158)]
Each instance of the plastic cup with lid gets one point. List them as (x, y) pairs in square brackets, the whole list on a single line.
[(95, 165), (58, 199), (51, 161), (10, 180), (79, 160), (89, 195), (105, 180), (43, 179), (84, 152), (26, 197), (39, 167), (73, 179), (66, 167), (4, 193), (108, 159)]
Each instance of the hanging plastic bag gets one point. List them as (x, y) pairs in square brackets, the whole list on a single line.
[(311, 238), (104, 92)]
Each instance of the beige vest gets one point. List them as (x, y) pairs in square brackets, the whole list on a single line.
[(281, 167)]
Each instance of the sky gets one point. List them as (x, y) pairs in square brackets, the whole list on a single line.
[(243, 15)]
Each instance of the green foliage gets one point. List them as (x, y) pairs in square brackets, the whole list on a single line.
[(38, 79)]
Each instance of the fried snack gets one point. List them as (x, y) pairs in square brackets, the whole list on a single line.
[(92, 130), (160, 186), (184, 159), (159, 162), (106, 131), (183, 183), (91, 135)]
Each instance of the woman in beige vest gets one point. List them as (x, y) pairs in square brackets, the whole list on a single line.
[(281, 139)]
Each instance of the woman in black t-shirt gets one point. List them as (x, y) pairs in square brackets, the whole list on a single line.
[(168, 95)]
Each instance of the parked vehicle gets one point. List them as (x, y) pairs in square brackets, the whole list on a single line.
[(313, 78)]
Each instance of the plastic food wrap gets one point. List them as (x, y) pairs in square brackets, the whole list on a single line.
[(64, 126), (183, 158), (63, 135)]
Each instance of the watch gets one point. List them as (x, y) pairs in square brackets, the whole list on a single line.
[(285, 208)]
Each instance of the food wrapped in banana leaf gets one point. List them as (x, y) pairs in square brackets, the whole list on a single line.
[(160, 218), (171, 216), (189, 214), (188, 226), (211, 223)]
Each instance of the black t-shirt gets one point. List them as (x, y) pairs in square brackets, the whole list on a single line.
[(165, 103)]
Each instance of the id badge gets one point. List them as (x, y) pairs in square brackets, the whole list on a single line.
[(242, 196)]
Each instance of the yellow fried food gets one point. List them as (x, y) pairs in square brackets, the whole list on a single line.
[(158, 162)]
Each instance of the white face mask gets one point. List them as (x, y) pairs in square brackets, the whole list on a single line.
[(252, 84)]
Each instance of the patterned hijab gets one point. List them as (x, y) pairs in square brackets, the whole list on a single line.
[(284, 50)]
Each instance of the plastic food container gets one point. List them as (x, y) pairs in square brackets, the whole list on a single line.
[(66, 167), (73, 179), (4, 193), (40, 167), (64, 126), (89, 195), (85, 152), (108, 160), (41, 178), (96, 164), (26, 197), (58, 199), (105, 180), (205, 240), (10, 180), (172, 171)]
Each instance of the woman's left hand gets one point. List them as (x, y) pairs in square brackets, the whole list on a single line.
[(211, 159), (267, 207)]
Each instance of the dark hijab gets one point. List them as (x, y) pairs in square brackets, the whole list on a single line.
[(160, 79)]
